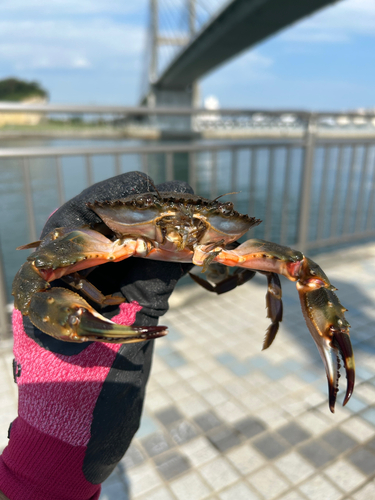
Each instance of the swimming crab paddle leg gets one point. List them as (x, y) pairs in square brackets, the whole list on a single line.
[(274, 307), (322, 310)]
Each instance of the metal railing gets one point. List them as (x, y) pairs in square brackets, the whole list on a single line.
[(310, 192), (201, 118)]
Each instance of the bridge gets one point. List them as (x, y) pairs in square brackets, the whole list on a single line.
[(239, 25)]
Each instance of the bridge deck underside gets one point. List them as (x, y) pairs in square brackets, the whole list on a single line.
[(242, 24)]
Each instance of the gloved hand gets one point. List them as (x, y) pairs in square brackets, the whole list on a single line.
[(80, 404)]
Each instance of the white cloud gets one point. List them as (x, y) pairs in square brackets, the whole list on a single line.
[(42, 8), (338, 23), (69, 44), (251, 66)]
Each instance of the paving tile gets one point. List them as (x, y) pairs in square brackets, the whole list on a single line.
[(148, 426), (275, 372), (230, 412), (274, 416), (188, 371), (143, 479), (369, 415), (179, 391), (215, 396), (193, 406), (269, 445), (189, 487), (113, 491), (224, 438), (237, 387), (364, 373), (316, 453), (227, 359), (199, 451), (239, 491), (344, 475), (133, 456), (158, 494), (366, 392), (365, 493), (219, 473), (257, 362), (294, 467), (182, 431), (201, 383), (364, 460), (356, 404), (250, 426), (246, 459), (207, 421), (175, 359), (338, 440), (371, 444), (171, 464), (157, 401), (293, 495), (268, 483), (169, 415), (293, 433), (156, 443), (358, 429), (318, 488)]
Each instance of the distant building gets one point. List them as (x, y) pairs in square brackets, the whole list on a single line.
[(14, 90), (22, 118)]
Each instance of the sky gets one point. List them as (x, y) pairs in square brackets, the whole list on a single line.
[(93, 52)]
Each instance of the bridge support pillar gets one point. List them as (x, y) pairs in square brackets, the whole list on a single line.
[(174, 98)]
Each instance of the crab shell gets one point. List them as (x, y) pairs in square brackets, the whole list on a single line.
[(182, 218)]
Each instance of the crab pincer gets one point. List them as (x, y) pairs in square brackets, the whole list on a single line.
[(326, 322), (67, 316)]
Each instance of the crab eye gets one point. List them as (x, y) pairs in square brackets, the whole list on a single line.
[(144, 201), (226, 208)]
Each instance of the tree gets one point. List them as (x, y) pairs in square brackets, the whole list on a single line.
[(12, 89)]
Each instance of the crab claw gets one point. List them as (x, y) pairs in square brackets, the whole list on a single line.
[(325, 319), (67, 316)]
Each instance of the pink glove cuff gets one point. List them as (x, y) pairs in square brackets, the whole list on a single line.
[(57, 397), (35, 466)]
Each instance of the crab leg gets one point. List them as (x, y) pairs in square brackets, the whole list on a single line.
[(274, 307), (62, 313), (321, 308), (239, 277), (81, 249), (86, 288)]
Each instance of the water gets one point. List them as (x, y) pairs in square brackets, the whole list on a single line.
[(268, 188)]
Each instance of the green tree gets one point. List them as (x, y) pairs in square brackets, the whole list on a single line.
[(12, 89)]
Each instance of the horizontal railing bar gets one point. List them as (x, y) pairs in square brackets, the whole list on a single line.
[(109, 150), (143, 110), (345, 238), (338, 141)]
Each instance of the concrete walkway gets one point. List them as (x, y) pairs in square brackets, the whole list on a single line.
[(224, 420)]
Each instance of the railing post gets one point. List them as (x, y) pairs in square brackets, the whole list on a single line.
[(308, 166), (4, 322)]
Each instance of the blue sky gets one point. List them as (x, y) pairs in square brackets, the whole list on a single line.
[(90, 51)]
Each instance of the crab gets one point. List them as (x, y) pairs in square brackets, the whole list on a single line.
[(175, 227)]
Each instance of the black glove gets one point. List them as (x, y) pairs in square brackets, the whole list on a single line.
[(118, 405)]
